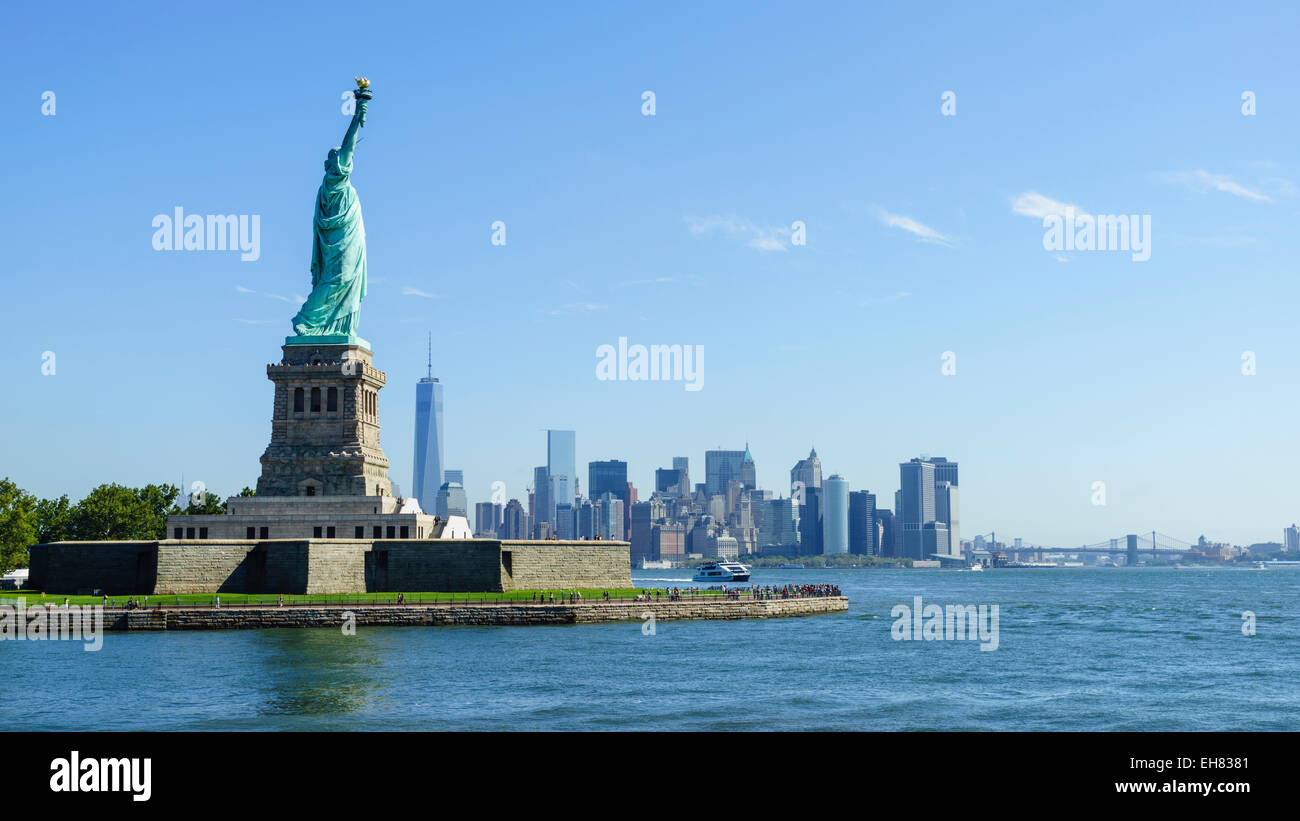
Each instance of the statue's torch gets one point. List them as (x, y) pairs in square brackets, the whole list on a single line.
[(362, 94)]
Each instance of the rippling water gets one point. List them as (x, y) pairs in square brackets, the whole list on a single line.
[(1079, 649)]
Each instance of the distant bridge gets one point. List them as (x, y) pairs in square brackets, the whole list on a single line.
[(1132, 545)]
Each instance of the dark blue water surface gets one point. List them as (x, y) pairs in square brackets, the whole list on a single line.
[(1079, 649)]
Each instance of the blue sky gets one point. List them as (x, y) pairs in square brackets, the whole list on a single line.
[(674, 229)]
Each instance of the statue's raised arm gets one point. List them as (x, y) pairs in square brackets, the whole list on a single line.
[(362, 95)]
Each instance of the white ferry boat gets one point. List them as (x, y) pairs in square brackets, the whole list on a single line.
[(721, 572)]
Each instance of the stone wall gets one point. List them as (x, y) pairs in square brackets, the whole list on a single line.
[(469, 566), (336, 565), (300, 566), (515, 613), (555, 565), (71, 568), (200, 567)]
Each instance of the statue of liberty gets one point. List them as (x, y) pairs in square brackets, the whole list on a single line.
[(338, 253)]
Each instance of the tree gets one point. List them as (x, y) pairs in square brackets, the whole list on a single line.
[(159, 502), (247, 491), (112, 512), (17, 524), (53, 520)]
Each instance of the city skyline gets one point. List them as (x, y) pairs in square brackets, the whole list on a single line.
[(924, 237)]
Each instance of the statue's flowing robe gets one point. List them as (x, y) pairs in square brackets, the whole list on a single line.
[(338, 256)]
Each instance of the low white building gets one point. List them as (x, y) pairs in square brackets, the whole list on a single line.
[(14, 579)]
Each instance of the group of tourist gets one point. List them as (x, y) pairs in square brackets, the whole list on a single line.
[(572, 597), (794, 591), (131, 603), (678, 593)]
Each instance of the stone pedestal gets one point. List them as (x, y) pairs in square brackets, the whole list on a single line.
[(325, 424)]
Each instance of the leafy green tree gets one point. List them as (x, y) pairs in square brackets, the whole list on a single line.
[(17, 524), (114, 512), (159, 502), (247, 491), (53, 520)]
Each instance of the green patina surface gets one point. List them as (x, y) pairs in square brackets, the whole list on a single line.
[(338, 254), (327, 339)]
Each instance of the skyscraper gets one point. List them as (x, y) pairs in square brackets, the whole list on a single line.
[(946, 511), (810, 522), (610, 476), (669, 481), (835, 520), (778, 532), (449, 475), (588, 515), (543, 504), (944, 470), (609, 519), (748, 472), (429, 454), (644, 515), (451, 500), (566, 523), (668, 542), (487, 519), (934, 540), (514, 521), (863, 539), (720, 467), (916, 480), (683, 464), (807, 472), (560, 462), (946, 501)]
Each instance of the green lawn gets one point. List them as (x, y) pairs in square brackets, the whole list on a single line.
[(588, 595)]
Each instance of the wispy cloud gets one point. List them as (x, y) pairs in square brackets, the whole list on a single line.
[(876, 300), (628, 283), (923, 233), (1205, 181), (409, 291), (293, 300), (578, 308), (1035, 205), (757, 237)]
